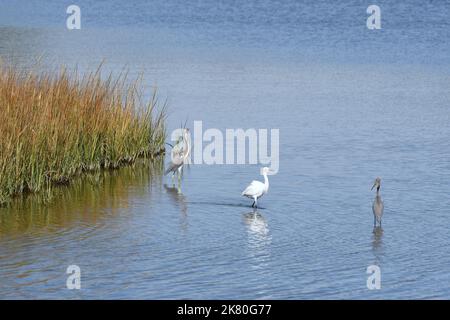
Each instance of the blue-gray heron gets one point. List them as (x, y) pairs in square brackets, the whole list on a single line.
[(377, 206), (180, 155)]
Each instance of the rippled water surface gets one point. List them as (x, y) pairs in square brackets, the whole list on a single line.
[(351, 104)]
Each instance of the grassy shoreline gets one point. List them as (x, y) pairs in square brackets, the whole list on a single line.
[(57, 126)]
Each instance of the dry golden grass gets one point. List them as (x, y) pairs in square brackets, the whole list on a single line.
[(53, 127)]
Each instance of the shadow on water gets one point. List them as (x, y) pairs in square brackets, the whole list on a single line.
[(236, 205), (86, 200)]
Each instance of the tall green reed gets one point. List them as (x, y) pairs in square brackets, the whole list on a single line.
[(56, 126)]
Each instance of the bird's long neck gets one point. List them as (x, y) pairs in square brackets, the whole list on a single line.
[(378, 191), (266, 181)]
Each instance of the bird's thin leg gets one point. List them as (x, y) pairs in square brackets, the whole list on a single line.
[(256, 203), (253, 204), (380, 223), (179, 184), (374, 221)]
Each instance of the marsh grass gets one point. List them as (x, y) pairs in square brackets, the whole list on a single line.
[(54, 126)]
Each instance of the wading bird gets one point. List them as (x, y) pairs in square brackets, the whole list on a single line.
[(377, 206), (180, 155), (257, 189)]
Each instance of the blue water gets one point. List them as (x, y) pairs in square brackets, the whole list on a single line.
[(351, 104)]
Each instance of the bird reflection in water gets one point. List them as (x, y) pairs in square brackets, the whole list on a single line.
[(377, 244), (179, 199), (259, 238)]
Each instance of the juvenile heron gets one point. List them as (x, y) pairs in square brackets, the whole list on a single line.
[(180, 155), (257, 189), (377, 206)]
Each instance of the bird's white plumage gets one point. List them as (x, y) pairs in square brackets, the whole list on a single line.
[(257, 189)]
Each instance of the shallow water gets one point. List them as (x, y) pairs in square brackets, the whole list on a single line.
[(351, 104)]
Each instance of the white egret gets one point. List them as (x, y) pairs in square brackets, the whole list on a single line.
[(377, 206), (180, 155), (257, 189)]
